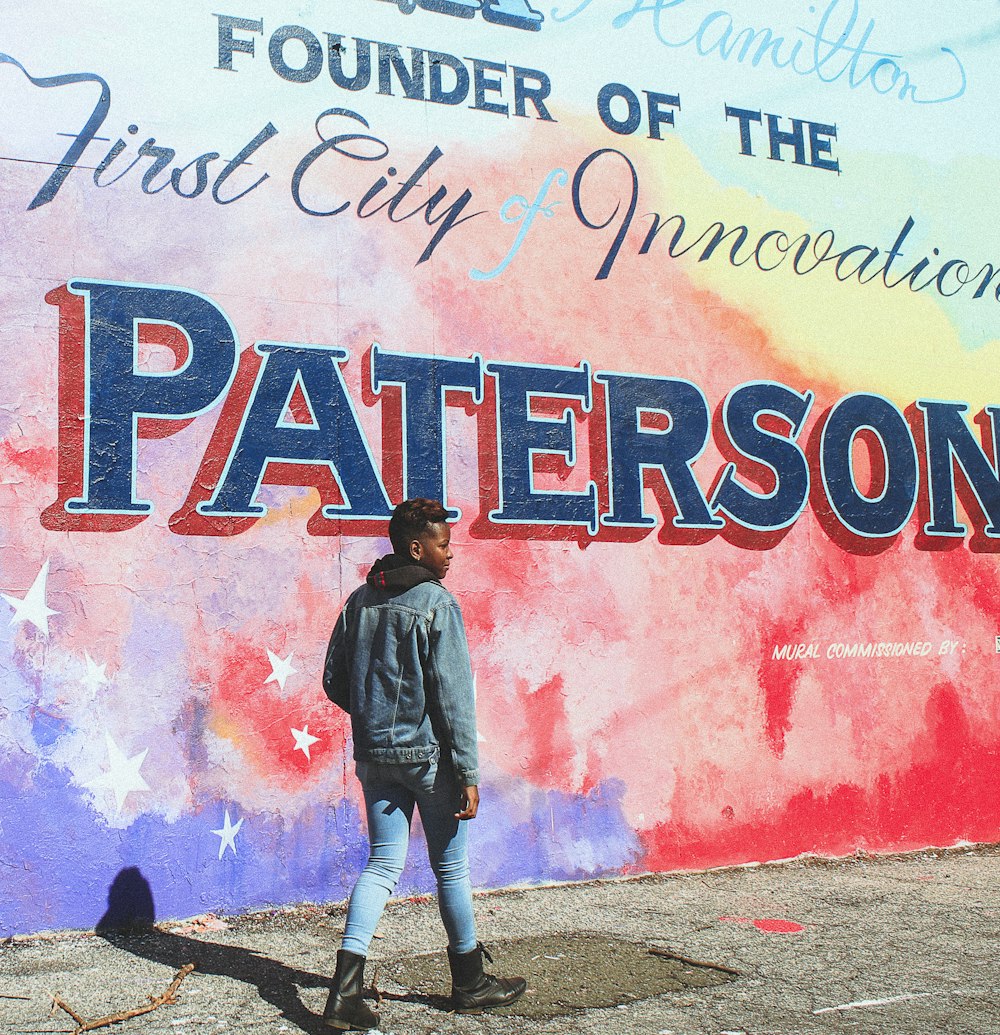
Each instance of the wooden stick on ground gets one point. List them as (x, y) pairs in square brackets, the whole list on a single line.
[(154, 1003), (668, 954), (56, 1001)]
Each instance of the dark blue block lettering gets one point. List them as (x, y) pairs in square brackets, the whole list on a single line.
[(740, 415), (624, 126), (410, 79), (516, 14), (424, 381), (483, 84), (332, 438), (229, 44), (949, 439), (745, 117), (314, 54), (117, 394), (437, 93), (458, 8), (634, 447), (871, 517), (522, 435)]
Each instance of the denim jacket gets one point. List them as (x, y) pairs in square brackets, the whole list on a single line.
[(398, 661)]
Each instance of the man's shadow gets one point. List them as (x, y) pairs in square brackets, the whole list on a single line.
[(128, 924)]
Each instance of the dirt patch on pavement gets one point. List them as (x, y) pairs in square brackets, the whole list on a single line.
[(565, 973)]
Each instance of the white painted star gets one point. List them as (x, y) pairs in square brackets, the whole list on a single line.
[(303, 739), (227, 834), (475, 697), (123, 773), (281, 668), (32, 607), (94, 678)]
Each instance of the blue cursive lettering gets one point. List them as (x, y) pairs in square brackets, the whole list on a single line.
[(517, 209), (838, 49)]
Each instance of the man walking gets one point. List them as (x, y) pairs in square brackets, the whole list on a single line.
[(398, 662)]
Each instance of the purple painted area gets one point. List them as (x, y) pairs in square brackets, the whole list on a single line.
[(47, 728), (524, 832), (315, 858), (530, 833), (64, 845)]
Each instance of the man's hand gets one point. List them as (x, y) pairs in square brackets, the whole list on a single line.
[(470, 803)]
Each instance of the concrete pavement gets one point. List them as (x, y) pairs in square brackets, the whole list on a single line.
[(898, 945)]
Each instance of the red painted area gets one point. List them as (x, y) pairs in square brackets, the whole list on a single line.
[(946, 795), (775, 926), (298, 408), (390, 402), (778, 679), (257, 719), (37, 461), (547, 746), (770, 925)]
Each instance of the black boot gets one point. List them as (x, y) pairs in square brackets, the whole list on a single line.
[(473, 991), (345, 1008)]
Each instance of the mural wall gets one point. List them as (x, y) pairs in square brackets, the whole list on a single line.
[(688, 312)]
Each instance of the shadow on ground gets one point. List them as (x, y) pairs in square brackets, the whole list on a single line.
[(567, 973), (128, 924)]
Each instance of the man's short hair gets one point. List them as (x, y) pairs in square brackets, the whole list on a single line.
[(411, 519)]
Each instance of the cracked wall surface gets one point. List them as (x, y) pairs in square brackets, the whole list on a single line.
[(722, 455)]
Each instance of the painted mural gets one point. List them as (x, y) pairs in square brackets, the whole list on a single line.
[(689, 314)]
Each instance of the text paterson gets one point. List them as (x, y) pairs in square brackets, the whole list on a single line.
[(287, 418)]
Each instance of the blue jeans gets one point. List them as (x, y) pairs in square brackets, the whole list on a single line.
[(391, 791)]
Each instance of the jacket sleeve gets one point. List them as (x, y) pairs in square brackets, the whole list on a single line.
[(335, 682), (450, 693)]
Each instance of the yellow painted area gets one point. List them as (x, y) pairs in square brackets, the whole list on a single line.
[(224, 728), (862, 337), (298, 508)]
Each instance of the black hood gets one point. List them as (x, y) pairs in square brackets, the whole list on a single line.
[(397, 573)]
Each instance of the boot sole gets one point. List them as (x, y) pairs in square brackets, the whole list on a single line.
[(474, 1011), (338, 1025)]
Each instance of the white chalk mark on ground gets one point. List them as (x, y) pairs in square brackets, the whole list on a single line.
[(862, 1004)]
